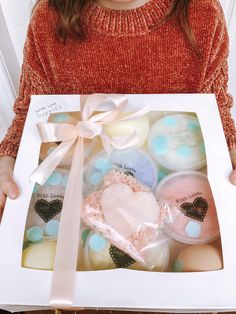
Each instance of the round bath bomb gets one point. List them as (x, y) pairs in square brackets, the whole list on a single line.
[(194, 217), (132, 161), (96, 253), (99, 254), (157, 254), (195, 258), (47, 201), (126, 128), (39, 255), (176, 143)]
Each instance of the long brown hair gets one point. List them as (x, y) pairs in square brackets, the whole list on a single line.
[(69, 23)]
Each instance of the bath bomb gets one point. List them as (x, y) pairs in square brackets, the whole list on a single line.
[(47, 201), (96, 253), (125, 128), (176, 142), (195, 258), (194, 217), (39, 255), (99, 254), (157, 254), (132, 161), (39, 251)]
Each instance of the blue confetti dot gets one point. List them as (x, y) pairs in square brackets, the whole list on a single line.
[(34, 234), (52, 228), (193, 126), (178, 266), (97, 242), (184, 151), (61, 117), (96, 178), (103, 164), (64, 181), (159, 145), (193, 229), (170, 121), (54, 179)]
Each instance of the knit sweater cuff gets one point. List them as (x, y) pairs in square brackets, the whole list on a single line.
[(8, 149), (30, 84), (218, 85), (231, 142)]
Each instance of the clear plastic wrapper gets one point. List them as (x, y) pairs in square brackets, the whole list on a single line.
[(128, 214)]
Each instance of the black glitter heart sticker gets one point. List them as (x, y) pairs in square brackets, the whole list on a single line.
[(196, 210), (47, 210), (120, 259)]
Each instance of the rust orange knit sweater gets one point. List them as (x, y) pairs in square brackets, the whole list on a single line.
[(124, 54)]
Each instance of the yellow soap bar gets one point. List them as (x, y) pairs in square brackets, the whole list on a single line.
[(39, 255), (125, 128)]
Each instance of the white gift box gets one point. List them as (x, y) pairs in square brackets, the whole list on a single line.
[(22, 288)]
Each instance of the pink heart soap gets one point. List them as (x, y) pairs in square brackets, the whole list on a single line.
[(125, 211)]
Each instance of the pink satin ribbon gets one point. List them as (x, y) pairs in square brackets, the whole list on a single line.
[(91, 125)]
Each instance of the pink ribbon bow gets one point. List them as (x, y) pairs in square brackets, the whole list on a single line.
[(91, 125)]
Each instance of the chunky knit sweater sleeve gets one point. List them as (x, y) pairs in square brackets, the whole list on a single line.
[(33, 81), (215, 73), (157, 59)]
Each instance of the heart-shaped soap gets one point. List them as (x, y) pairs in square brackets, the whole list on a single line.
[(126, 211)]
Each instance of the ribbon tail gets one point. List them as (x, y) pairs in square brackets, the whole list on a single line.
[(64, 275), (46, 168), (95, 100), (110, 143), (55, 132), (137, 114)]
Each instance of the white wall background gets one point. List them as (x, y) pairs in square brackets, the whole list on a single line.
[(14, 16)]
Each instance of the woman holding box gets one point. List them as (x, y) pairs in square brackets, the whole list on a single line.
[(121, 46)]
